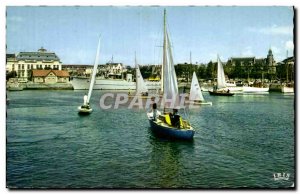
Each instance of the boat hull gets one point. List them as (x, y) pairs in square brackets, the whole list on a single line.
[(139, 96), (285, 89), (200, 103), (110, 84), (84, 111), (170, 133), (255, 89), (213, 93), (275, 87)]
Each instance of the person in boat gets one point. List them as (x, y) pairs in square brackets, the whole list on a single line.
[(85, 103), (144, 93), (228, 91), (154, 107), (175, 118), (85, 97), (215, 88)]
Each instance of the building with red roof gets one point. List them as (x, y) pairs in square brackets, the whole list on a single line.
[(50, 76)]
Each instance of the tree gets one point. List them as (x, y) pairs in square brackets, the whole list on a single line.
[(238, 71), (211, 70), (11, 74), (201, 72)]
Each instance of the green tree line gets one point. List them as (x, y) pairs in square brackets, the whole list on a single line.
[(237, 72)]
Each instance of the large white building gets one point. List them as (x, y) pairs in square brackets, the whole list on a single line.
[(24, 62)]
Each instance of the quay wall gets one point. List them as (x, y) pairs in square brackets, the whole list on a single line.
[(47, 86)]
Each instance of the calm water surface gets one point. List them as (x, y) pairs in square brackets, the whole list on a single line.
[(240, 141)]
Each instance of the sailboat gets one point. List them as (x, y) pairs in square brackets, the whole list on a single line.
[(141, 88), (85, 108), (168, 125), (196, 96), (220, 89)]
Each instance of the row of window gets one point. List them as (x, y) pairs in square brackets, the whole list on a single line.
[(38, 56), (30, 66)]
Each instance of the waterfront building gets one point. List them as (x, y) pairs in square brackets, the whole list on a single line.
[(10, 62), (50, 76), (252, 65), (287, 69), (104, 70), (113, 70), (78, 70), (24, 62)]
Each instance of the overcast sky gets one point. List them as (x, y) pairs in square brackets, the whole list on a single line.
[(72, 32)]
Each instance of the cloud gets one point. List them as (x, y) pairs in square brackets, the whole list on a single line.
[(276, 50), (273, 30), (289, 45), (15, 19), (248, 51)]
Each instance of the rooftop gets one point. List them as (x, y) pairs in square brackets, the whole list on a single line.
[(44, 73), (41, 54)]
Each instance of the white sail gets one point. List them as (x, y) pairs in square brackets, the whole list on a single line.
[(94, 72), (170, 87), (221, 76), (195, 91), (140, 84)]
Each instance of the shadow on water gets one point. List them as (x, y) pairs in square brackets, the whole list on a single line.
[(83, 114)]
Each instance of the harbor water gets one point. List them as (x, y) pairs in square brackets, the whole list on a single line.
[(244, 141)]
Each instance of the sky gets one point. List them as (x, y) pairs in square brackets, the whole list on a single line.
[(203, 31)]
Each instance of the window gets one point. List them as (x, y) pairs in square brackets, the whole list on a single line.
[(22, 66)]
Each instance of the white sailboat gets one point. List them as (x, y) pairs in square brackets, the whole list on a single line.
[(221, 88), (196, 96), (168, 125), (141, 88), (85, 108)]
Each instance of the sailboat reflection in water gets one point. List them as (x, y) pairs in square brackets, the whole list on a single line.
[(170, 123)]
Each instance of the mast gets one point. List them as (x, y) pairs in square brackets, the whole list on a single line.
[(189, 66), (287, 67), (136, 71), (164, 53), (170, 86)]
